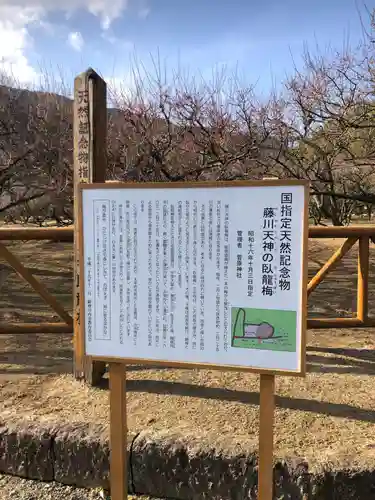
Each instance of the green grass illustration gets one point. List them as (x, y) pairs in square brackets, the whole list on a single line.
[(266, 329)]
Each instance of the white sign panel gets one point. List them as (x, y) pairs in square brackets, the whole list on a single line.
[(197, 275)]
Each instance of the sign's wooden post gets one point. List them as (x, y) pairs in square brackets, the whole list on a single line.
[(118, 430), (90, 132), (266, 418)]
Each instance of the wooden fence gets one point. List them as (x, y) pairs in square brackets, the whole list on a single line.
[(350, 234), (29, 234)]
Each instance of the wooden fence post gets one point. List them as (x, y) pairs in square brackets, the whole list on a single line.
[(90, 162), (363, 278)]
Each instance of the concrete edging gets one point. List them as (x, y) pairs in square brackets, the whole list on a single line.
[(165, 465)]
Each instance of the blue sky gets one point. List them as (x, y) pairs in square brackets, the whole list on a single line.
[(259, 38)]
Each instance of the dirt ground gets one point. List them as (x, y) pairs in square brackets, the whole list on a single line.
[(327, 417), (15, 488)]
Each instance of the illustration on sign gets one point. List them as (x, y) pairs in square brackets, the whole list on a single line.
[(267, 329)]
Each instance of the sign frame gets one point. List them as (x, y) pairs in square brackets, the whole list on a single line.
[(301, 372)]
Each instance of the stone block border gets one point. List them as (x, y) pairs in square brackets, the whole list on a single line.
[(165, 465)]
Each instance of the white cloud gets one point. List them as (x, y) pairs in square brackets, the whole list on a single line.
[(75, 40), (106, 10), (16, 16), (14, 40)]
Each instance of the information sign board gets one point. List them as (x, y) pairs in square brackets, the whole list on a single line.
[(196, 274)]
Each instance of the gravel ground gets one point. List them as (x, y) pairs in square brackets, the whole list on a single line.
[(15, 488)]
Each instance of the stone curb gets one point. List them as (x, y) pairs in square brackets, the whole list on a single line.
[(164, 465)]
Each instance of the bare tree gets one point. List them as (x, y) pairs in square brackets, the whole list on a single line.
[(35, 154), (185, 131), (323, 130), (320, 128)]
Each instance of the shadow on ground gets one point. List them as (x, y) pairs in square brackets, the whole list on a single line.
[(35, 354), (340, 360), (26, 358), (165, 387)]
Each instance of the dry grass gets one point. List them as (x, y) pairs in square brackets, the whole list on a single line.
[(327, 417)]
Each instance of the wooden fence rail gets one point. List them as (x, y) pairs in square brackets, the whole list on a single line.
[(8, 233), (352, 234)]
